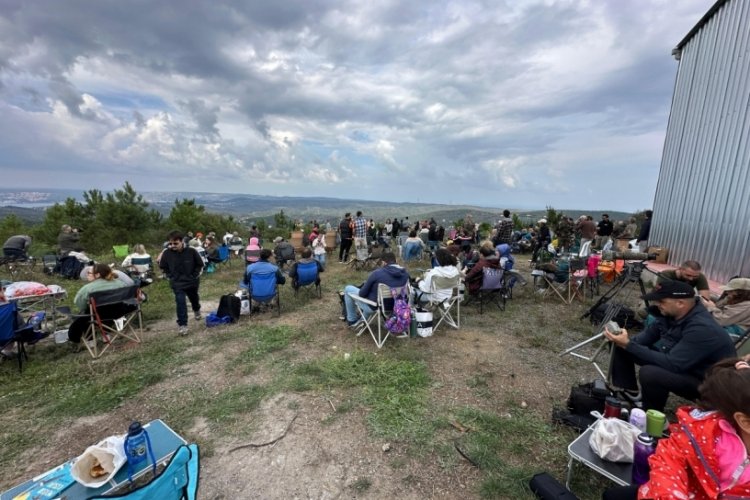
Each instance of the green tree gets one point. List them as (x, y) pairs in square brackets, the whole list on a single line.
[(553, 217), (186, 215)]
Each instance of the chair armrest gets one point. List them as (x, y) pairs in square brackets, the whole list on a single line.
[(357, 298)]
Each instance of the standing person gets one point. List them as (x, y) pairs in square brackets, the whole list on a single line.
[(503, 229), (345, 232), (642, 240), (69, 240), (183, 266), (319, 246), (359, 227), (604, 231), (543, 239), (395, 228), (587, 228), (17, 246)]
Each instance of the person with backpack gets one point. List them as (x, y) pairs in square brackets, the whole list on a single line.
[(390, 274), (183, 266)]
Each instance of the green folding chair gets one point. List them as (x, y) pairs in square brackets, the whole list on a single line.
[(120, 251)]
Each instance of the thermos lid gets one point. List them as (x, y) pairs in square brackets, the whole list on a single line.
[(134, 428), (612, 401), (644, 438)]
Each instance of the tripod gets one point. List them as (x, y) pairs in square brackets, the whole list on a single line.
[(629, 278)]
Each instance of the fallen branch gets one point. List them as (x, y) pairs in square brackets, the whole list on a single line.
[(461, 452), (334, 408), (261, 445)]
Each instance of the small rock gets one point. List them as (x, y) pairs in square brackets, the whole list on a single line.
[(387, 447), (524, 404), (347, 356)]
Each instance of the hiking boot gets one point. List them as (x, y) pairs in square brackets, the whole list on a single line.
[(197, 315), (182, 330)]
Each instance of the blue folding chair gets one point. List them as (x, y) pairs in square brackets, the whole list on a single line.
[(13, 330), (177, 481), (264, 290), (412, 251), (307, 277)]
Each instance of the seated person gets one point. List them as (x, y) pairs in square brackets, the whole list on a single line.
[(506, 264), (139, 262), (252, 252), (689, 272), (306, 258), (17, 246), (487, 258), (195, 243), (446, 268), (87, 275), (453, 248), (413, 247), (212, 249), (100, 277), (283, 251), (716, 435), (236, 244), (733, 312), (673, 352), (69, 240), (389, 273), (262, 266)]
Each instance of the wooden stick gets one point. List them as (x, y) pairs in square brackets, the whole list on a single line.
[(260, 445)]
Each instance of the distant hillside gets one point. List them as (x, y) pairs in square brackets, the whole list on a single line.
[(250, 207)]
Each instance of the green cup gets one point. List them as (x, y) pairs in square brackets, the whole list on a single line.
[(655, 423)]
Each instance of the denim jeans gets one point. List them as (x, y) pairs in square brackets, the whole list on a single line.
[(179, 298), (321, 258), (352, 315)]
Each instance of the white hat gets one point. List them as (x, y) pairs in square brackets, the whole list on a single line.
[(542, 221)]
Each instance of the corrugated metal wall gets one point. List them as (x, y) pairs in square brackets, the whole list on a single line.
[(702, 201)]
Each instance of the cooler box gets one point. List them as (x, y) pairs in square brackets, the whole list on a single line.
[(661, 254)]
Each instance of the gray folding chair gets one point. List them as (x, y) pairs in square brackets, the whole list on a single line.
[(381, 310), (445, 307)]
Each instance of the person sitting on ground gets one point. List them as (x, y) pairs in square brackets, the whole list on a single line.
[(252, 252), (283, 251), (446, 268), (305, 258), (260, 267), (413, 246), (390, 274), (690, 273), (487, 258), (101, 278), (139, 262), (733, 312), (69, 240), (705, 455), (673, 352), (17, 246)]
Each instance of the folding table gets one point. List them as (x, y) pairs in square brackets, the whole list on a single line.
[(163, 440), (580, 451)]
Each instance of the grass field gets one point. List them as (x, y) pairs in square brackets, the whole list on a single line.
[(487, 389)]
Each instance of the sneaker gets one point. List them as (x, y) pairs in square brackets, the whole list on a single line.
[(342, 318), (198, 316), (182, 330), (356, 325)]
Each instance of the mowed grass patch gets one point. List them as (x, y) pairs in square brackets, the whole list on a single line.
[(394, 391)]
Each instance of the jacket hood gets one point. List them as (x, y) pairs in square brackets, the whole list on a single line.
[(396, 271), (503, 249), (253, 241)]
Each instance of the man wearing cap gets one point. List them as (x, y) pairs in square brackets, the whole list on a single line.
[(733, 311), (690, 273), (673, 352), (543, 238), (283, 251)]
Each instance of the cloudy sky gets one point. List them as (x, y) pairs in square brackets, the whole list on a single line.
[(517, 103)]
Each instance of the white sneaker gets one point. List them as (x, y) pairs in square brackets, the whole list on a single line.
[(182, 330)]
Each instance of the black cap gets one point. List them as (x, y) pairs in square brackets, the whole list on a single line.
[(671, 289)]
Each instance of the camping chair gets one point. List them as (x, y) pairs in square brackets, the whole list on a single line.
[(568, 282), (740, 340), (49, 263), (111, 314), (120, 251), (12, 330), (412, 251), (444, 307), (177, 481), (380, 312), (492, 289), (308, 278), (360, 262), (264, 290)]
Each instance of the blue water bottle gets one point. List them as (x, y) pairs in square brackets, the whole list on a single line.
[(136, 444)]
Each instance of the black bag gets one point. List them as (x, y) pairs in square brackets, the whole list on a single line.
[(229, 305), (71, 267), (547, 487), (625, 316), (583, 399)]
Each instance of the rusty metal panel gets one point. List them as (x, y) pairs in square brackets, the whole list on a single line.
[(702, 200)]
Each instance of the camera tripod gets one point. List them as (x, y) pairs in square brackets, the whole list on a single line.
[(630, 277)]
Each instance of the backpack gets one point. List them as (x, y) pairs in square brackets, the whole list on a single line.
[(229, 305), (583, 399), (71, 267), (400, 320)]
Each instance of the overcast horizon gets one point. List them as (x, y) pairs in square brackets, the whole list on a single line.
[(499, 104)]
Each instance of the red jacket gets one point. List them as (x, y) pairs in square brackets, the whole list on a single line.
[(685, 465)]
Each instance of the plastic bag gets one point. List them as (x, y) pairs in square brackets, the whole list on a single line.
[(110, 454), (612, 439)]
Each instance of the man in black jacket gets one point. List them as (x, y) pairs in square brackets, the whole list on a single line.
[(345, 232), (183, 265), (673, 352)]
